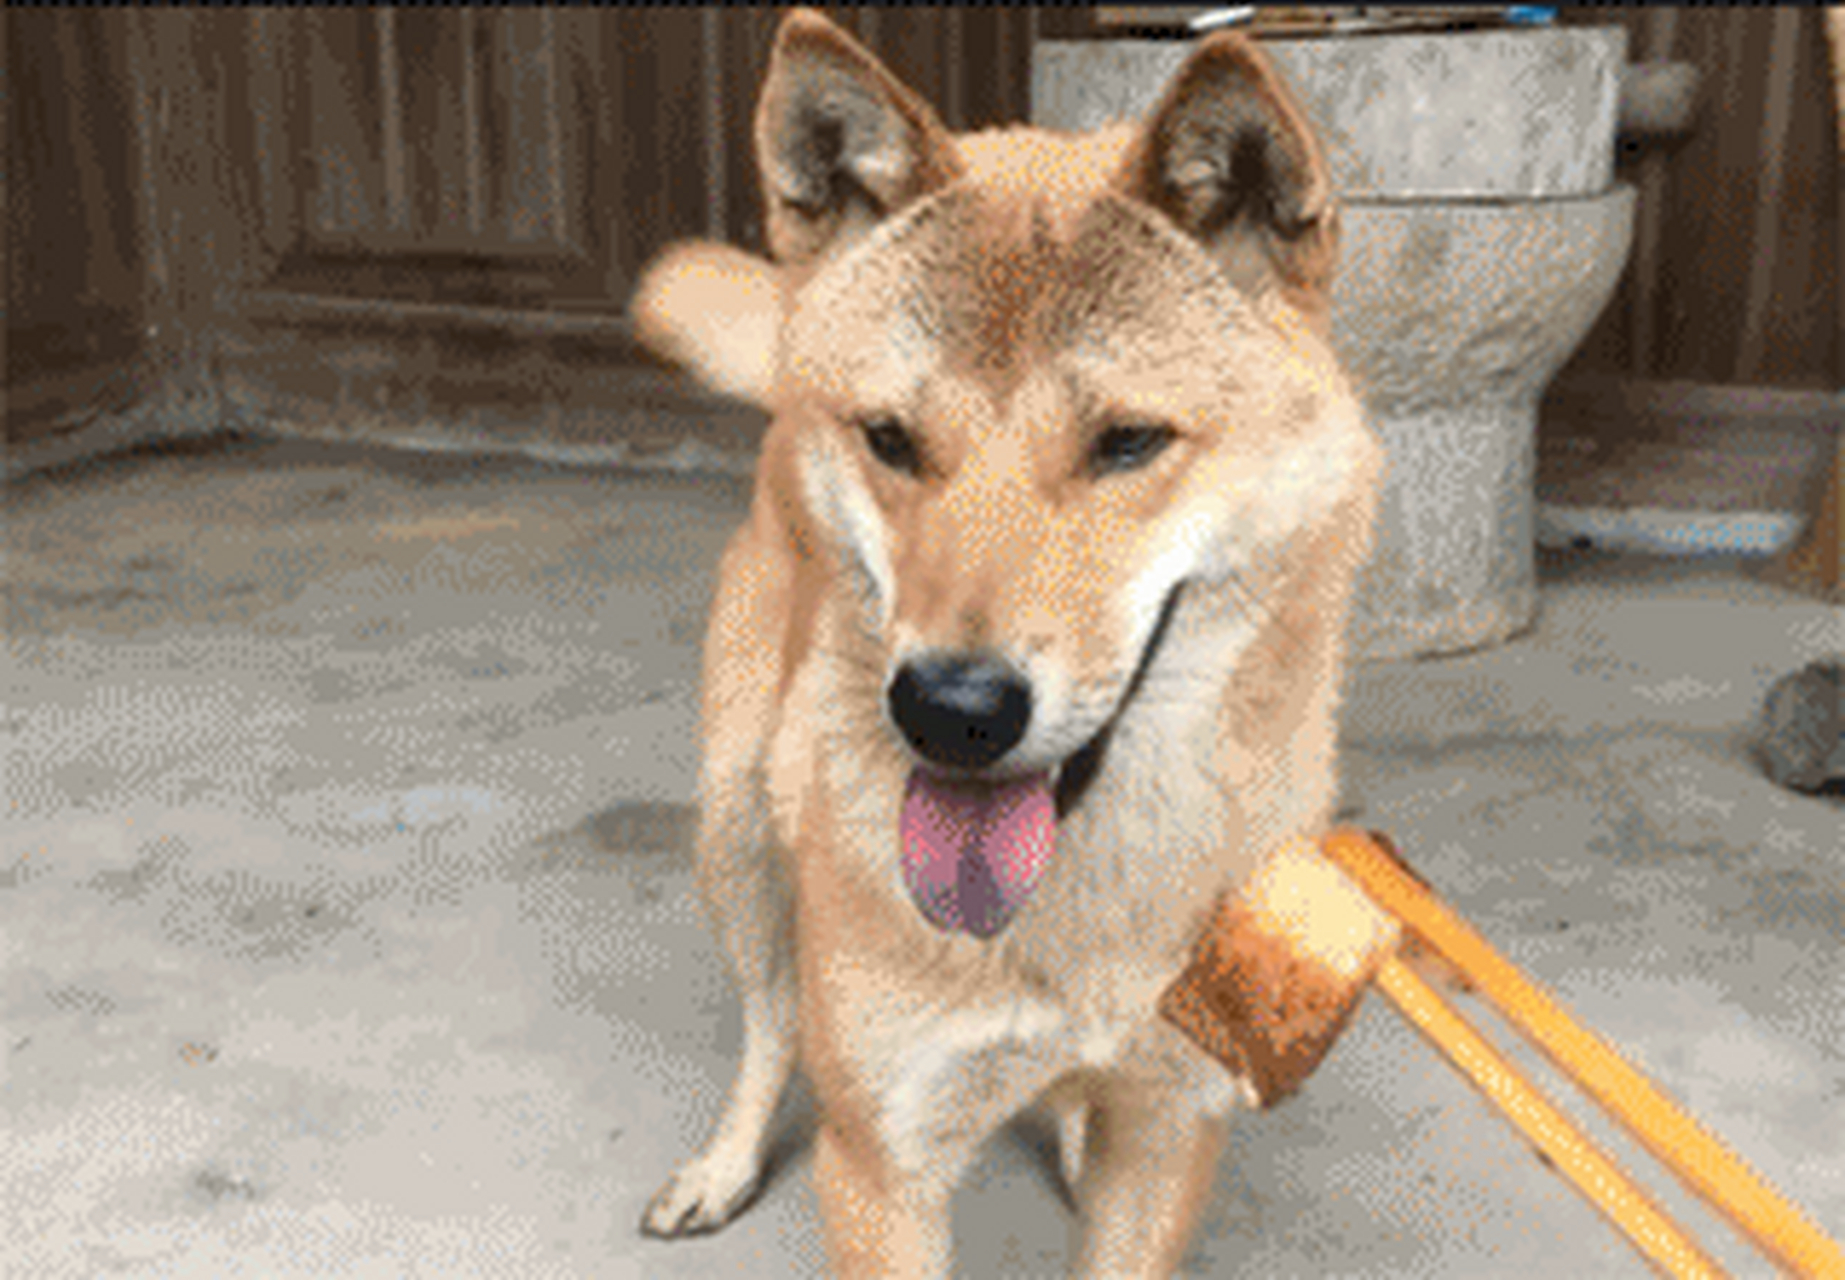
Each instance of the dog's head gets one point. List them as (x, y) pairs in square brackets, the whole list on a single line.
[(843, 147), (1035, 384)]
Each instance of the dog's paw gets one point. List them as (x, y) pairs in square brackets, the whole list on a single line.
[(700, 1198)]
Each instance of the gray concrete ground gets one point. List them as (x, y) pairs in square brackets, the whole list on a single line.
[(346, 926)]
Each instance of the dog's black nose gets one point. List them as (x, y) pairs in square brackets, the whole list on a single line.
[(964, 712)]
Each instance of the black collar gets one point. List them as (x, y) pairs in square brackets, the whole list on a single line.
[(1080, 769)]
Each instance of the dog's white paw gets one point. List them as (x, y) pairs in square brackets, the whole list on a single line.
[(704, 1195)]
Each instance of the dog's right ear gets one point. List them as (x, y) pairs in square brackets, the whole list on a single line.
[(841, 144)]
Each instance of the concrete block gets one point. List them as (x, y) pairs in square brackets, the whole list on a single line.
[(1493, 114)]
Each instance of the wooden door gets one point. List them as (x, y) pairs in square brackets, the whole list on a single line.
[(401, 222), (75, 302), (453, 205)]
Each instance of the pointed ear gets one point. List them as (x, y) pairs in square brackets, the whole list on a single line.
[(716, 310), (1228, 155), (841, 144)]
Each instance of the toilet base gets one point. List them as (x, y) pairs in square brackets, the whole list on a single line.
[(1452, 317), (1455, 566)]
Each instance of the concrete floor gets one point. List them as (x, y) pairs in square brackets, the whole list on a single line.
[(346, 927)]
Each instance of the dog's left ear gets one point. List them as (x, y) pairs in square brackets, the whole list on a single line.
[(840, 142), (1228, 155)]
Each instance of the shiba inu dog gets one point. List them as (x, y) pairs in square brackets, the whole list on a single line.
[(1029, 650)]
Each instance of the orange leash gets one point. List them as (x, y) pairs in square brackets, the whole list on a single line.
[(1651, 1230), (1703, 1164)]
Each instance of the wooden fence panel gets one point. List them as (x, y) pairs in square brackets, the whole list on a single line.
[(1735, 278), (488, 168)]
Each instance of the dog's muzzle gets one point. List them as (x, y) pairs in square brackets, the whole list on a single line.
[(975, 847)]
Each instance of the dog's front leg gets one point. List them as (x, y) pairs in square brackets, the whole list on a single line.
[(904, 1109), (745, 893), (1156, 1129), (879, 1222), (750, 912)]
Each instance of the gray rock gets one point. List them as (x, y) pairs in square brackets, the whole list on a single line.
[(1803, 727)]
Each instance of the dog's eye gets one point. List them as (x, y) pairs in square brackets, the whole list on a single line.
[(1120, 449), (893, 445)]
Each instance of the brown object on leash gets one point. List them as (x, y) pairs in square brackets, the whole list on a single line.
[(1281, 971), (1277, 978)]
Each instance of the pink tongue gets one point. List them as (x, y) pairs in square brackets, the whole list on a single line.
[(973, 853)]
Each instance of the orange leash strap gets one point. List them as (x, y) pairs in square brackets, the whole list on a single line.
[(1700, 1162)]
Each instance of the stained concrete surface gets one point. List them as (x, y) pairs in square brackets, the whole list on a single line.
[(346, 926)]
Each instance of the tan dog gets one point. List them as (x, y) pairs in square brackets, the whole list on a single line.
[(1029, 651)]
